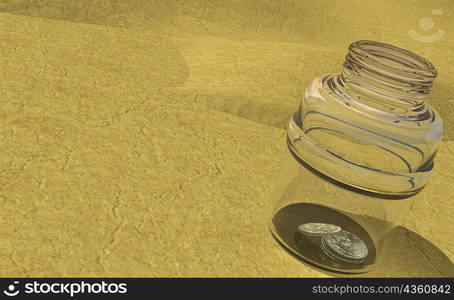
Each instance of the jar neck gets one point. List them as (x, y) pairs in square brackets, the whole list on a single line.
[(386, 78)]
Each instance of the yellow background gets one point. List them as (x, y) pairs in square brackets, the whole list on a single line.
[(141, 138)]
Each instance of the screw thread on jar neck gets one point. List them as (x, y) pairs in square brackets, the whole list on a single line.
[(387, 78)]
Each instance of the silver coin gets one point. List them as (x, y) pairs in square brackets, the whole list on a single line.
[(338, 259), (344, 246), (318, 229)]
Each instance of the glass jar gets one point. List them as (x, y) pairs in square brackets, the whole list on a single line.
[(360, 145)]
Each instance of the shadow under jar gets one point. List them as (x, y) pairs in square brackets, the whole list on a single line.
[(360, 145)]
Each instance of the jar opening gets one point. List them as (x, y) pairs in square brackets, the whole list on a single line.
[(387, 77), (394, 59)]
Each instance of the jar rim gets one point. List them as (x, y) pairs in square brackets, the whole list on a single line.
[(394, 58)]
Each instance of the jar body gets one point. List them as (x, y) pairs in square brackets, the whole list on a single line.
[(360, 145), (305, 196)]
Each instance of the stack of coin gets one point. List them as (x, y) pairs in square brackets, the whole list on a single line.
[(344, 247), (315, 231)]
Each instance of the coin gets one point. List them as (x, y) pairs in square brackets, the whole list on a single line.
[(318, 229), (344, 247)]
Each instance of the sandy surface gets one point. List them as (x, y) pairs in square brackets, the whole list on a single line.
[(142, 139)]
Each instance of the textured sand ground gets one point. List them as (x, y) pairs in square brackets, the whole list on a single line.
[(141, 139)]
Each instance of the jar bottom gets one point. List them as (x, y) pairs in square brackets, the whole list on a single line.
[(319, 251)]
